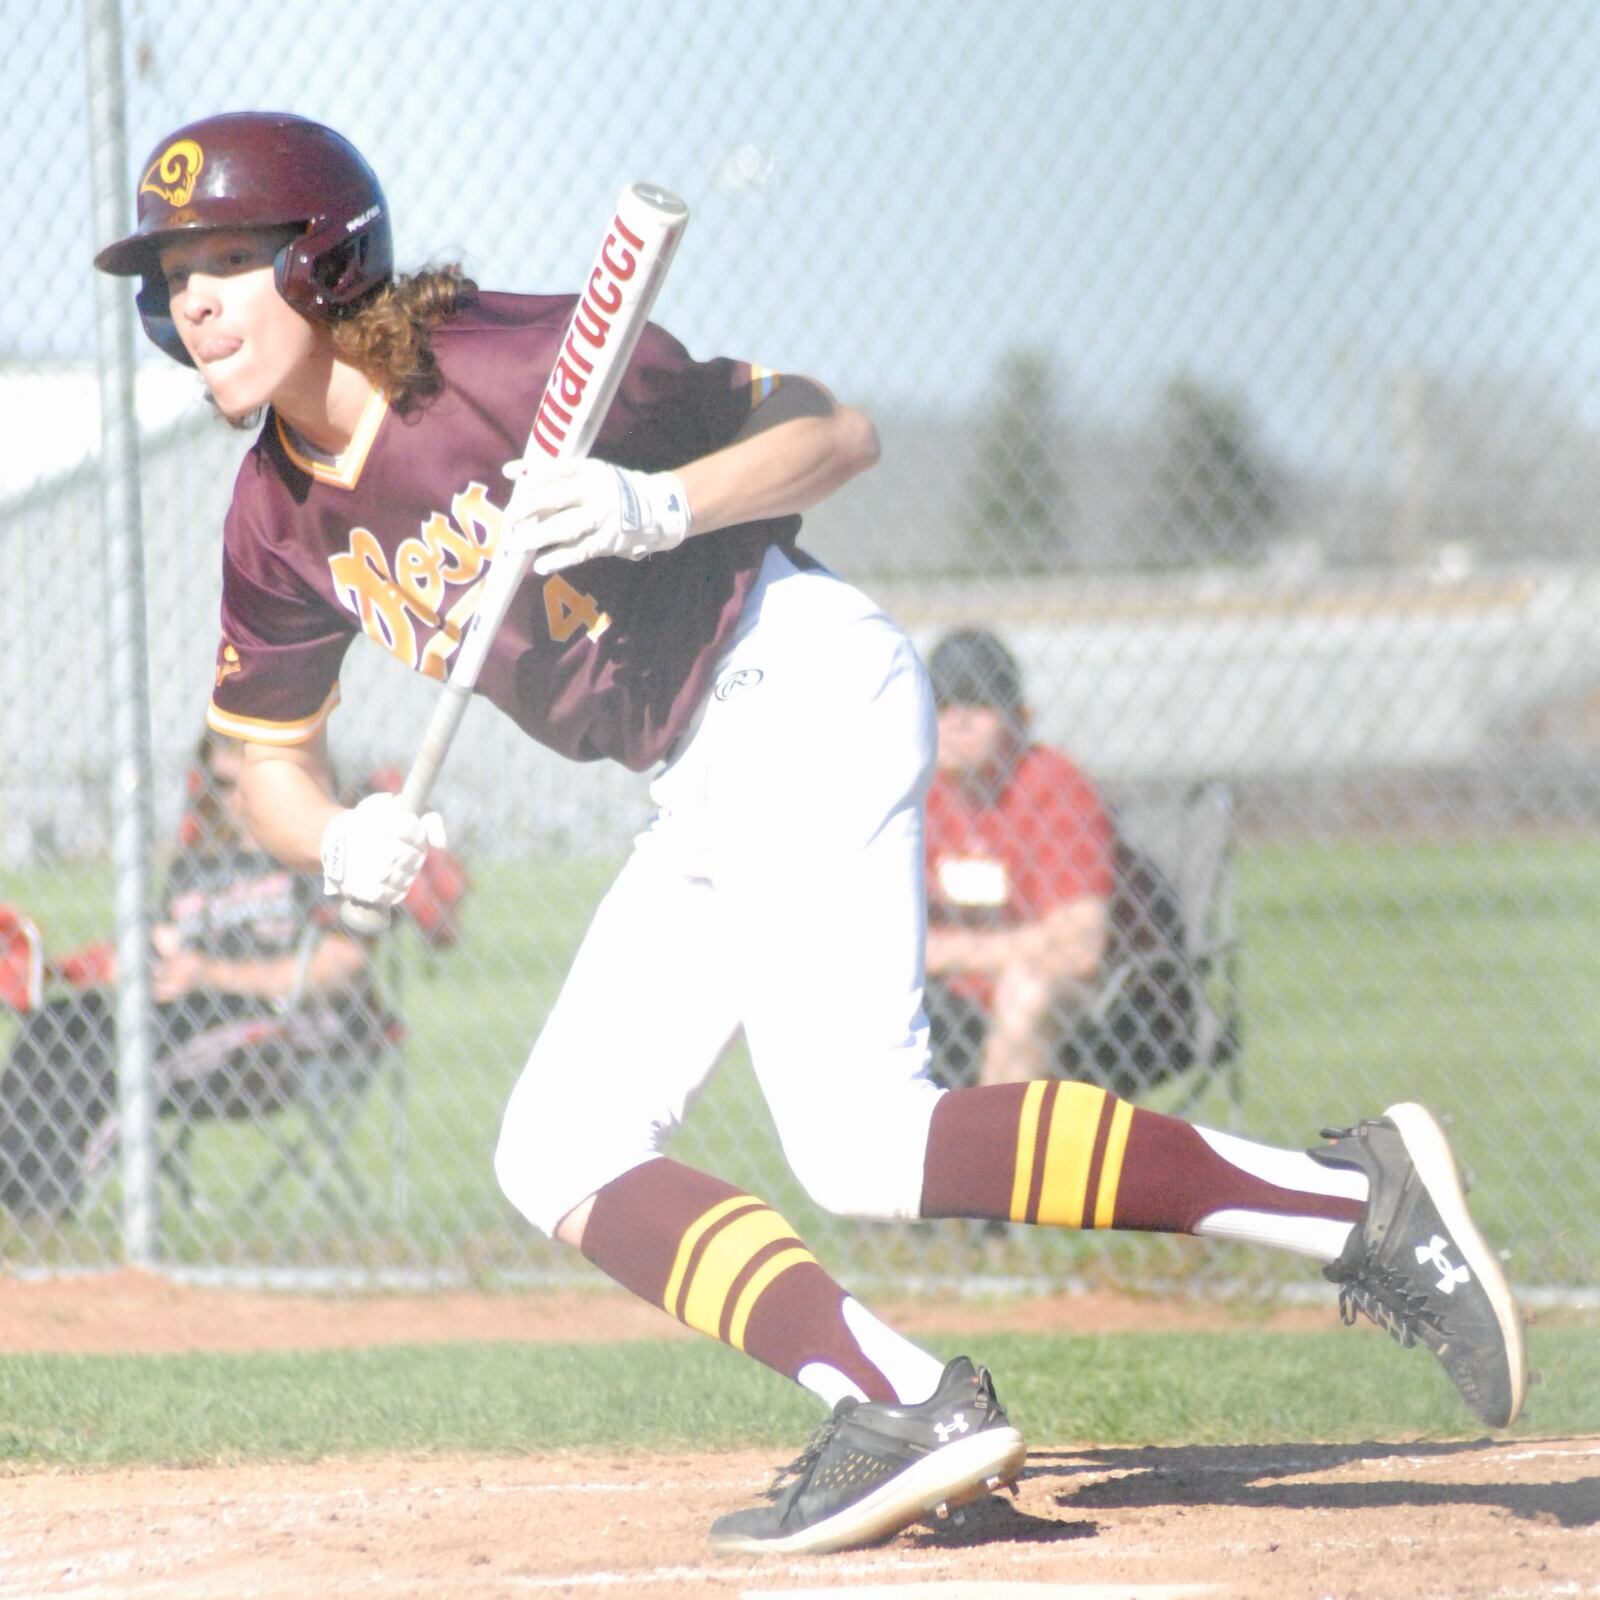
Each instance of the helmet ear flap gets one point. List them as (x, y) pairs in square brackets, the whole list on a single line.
[(284, 274), (324, 273)]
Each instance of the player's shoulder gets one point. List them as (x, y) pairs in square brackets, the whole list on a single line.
[(266, 472), (500, 318), (256, 486), (495, 331), (267, 513), (492, 310)]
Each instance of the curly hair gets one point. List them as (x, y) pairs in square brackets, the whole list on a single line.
[(387, 338)]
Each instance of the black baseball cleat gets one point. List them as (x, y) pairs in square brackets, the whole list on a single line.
[(1416, 1264), (872, 1469)]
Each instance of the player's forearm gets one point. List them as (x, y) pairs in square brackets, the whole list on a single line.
[(780, 471), (335, 963), (268, 978), (288, 802)]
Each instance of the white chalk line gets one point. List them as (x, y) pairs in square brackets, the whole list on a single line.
[(730, 1576)]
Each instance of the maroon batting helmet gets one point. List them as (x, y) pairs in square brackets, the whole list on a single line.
[(261, 169)]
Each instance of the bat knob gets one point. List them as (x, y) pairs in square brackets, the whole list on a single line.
[(365, 921), (659, 199)]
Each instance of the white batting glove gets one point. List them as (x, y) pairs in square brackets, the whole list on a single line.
[(373, 853), (567, 512)]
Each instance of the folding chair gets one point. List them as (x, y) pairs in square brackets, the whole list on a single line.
[(316, 1092), (294, 1077), (1168, 1008)]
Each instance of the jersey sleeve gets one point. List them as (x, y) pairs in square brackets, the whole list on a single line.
[(277, 667), (676, 409)]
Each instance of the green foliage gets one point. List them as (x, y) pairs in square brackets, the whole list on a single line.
[(1216, 493), (1460, 972), (1015, 516)]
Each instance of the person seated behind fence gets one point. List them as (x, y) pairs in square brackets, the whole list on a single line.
[(1036, 910), (245, 995)]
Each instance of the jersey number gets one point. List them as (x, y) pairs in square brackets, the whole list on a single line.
[(567, 609)]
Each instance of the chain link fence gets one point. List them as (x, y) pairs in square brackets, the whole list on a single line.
[(1236, 363)]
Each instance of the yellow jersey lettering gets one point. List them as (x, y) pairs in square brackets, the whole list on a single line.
[(448, 553), (362, 582), (479, 520), (418, 571), (443, 645), (567, 609), (458, 556)]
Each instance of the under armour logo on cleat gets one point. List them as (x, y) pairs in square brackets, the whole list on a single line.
[(1449, 1276), (948, 1430)]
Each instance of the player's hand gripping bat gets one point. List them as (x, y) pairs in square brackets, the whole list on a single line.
[(610, 315)]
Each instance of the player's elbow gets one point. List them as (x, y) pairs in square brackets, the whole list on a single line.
[(857, 445)]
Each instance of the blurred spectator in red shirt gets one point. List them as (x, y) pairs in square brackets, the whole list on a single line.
[(1020, 878)]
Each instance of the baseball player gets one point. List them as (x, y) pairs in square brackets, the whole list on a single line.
[(672, 622)]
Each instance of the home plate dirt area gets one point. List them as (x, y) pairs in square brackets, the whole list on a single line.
[(1508, 1518)]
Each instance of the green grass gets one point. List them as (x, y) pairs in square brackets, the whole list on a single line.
[(1463, 972), (1137, 1388)]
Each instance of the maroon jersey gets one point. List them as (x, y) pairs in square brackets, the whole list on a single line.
[(608, 659)]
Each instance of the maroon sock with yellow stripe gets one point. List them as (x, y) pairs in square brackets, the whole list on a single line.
[(727, 1264), (1070, 1155)]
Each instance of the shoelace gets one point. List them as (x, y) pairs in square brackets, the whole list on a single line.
[(1373, 1290), (987, 1400), (984, 1400), (797, 1469), (1380, 1294)]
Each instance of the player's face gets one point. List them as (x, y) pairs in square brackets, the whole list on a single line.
[(975, 742), (245, 339)]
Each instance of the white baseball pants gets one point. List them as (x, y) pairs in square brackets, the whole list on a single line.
[(778, 888)]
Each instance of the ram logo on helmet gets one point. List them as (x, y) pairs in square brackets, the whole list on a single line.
[(178, 167)]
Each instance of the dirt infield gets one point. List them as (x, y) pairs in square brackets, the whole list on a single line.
[(1257, 1523), (1506, 1519)]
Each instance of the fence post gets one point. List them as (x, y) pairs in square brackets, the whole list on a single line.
[(128, 663)]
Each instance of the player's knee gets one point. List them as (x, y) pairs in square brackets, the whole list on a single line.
[(865, 1161), (518, 1166), (541, 1164)]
